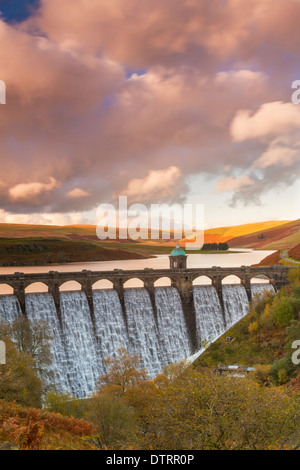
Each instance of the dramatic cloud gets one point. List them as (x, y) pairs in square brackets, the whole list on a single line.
[(278, 155), (27, 192), (77, 193), (173, 32), (157, 185), (270, 120), (133, 97), (231, 184)]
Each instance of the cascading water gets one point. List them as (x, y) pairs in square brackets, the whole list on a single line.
[(236, 303), (174, 339), (260, 288), (159, 337), (9, 308), (110, 328), (41, 307), (80, 343), (209, 314), (142, 329)]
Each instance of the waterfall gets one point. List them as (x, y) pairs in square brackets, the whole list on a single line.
[(142, 329), (236, 303), (260, 288), (41, 307), (154, 327), (9, 308), (209, 315), (174, 338), (80, 344), (110, 328)]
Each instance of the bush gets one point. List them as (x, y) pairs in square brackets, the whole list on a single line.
[(253, 327), (283, 311), (115, 420)]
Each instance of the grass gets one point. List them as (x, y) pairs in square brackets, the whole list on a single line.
[(244, 349), (38, 251)]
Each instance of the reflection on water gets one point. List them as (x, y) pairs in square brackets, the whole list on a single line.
[(232, 259)]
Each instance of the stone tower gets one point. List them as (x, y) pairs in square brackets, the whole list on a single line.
[(178, 258)]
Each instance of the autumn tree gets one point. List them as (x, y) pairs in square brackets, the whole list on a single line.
[(204, 411), (123, 371), (116, 421), (64, 404), (34, 339), (18, 380)]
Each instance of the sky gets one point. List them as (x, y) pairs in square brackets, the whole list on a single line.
[(169, 101)]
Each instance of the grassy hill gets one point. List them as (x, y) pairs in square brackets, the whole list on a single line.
[(223, 234), (40, 252), (26, 245), (283, 236), (88, 232), (294, 253)]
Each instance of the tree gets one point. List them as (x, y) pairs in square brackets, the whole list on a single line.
[(123, 371), (283, 311), (64, 404), (18, 380), (115, 419), (204, 411), (34, 339)]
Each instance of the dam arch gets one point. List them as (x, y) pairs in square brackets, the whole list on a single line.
[(133, 282), (36, 288), (231, 279), (102, 284), (70, 286), (163, 282), (202, 281), (260, 279), (6, 289)]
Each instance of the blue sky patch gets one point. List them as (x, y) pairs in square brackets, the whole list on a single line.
[(17, 10)]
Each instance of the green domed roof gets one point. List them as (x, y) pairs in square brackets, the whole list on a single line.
[(178, 251)]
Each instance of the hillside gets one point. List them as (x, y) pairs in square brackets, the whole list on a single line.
[(294, 253), (263, 338), (88, 232), (29, 245), (71, 232), (284, 236), (270, 260), (223, 234), (286, 257), (40, 252)]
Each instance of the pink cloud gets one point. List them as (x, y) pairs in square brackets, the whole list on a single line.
[(229, 183), (166, 32), (26, 192), (158, 184), (77, 193), (271, 119)]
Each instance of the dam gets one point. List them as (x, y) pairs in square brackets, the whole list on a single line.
[(162, 324)]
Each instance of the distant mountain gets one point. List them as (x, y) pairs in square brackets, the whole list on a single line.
[(283, 236), (268, 235), (75, 232), (223, 234)]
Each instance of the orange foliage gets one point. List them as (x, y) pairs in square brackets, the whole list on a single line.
[(270, 260), (28, 427), (295, 252)]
